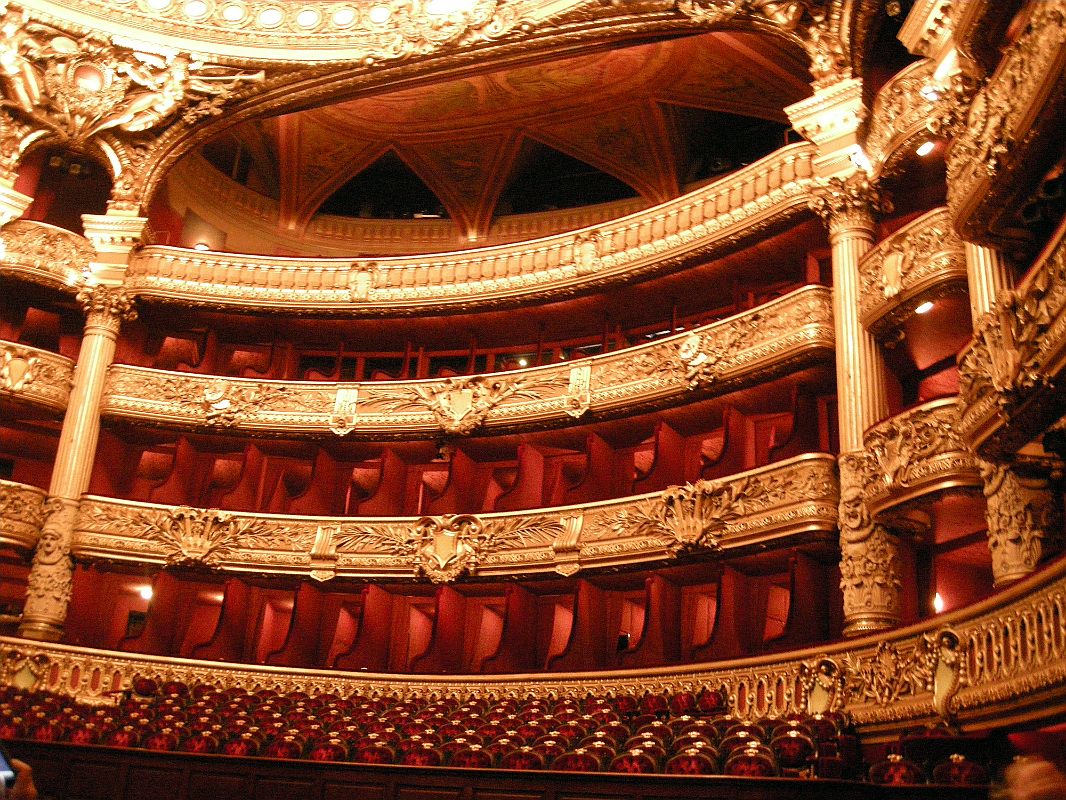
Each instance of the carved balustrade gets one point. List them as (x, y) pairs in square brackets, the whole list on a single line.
[(713, 218), (1012, 134), (34, 376), (1001, 659), (44, 254), (786, 502), (22, 513), (917, 453), (1010, 370), (901, 115), (790, 331), (924, 260)]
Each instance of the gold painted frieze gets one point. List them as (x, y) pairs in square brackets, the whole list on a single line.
[(34, 376), (22, 513)]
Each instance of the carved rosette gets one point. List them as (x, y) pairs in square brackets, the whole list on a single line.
[(870, 564), (51, 574), (106, 308), (22, 512), (1024, 521), (848, 203)]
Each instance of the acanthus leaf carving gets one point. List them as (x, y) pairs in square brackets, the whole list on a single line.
[(704, 354), (202, 536)]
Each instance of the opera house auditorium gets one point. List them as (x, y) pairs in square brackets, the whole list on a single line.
[(532, 399)]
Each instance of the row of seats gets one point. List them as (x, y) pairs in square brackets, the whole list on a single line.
[(683, 733), (407, 480)]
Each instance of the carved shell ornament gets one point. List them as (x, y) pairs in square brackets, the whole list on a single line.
[(17, 370)]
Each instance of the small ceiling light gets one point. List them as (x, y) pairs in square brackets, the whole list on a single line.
[(145, 592), (343, 17), (925, 148), (522, 362), (924, 308), (201, 246), (380, 14), (938, 603)]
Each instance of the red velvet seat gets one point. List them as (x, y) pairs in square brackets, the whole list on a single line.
[(425, 756), (579, 760), (474, 756), (958, 770), (377, 753), (691, 762), (329, 750), (794, 748), (895, 769), (634, 761), (522, 758), (754, 761)]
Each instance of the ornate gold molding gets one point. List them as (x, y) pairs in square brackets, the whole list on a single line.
[(1008, 374), (915, 454), (22, 513), (35, 376), (1002, 659), (44, 254), (710, 219), (901, 114), (792, 330), (794, 499), (846, 203), (1000, 153), (924, 260)]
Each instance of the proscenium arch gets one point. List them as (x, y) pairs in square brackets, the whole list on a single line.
[(588, 25)]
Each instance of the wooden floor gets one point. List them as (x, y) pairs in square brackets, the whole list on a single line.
[(72, 772)]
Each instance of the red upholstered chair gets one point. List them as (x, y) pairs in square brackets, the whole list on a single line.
[(793, 748), (426, 756), (710, 701), (474, 756), (687, 739), (161, 740), (650, 746), (523, 758), (656, 704), (691, 762), (377, 753), (329, 750), (579, 760), (617, 730), (453, 746), (659, 729), (550, 748), (635, 761), (246, 744), (126, 736), (287, 746), (755, 761), (895, 769), (682, 703), (959, 770)]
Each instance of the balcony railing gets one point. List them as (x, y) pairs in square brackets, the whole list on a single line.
[(786, 333), (44, 254), (22, 512), (787, 502), (924, 260), (34, 376), (900, 115), (714, 217)]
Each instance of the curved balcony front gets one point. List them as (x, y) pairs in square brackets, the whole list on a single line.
[(916, 454), (788, 333), (22, 512), (713, 219), (782, 504), (35, 377), (901, 115), (1000, 659), (44, 254), (924, 260)]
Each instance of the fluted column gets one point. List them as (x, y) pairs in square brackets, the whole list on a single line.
[(987, 275), (870, 562), (49, 585)]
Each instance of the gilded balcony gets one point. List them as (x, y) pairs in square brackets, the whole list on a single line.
[(708, 221), (900, 116), (44, 254), (999, 659), (782, 504), (916, 454), (22, 512), (922, 261), (35, 377), (788, 333)]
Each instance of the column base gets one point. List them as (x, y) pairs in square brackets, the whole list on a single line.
[(40, 631), (869, 624)]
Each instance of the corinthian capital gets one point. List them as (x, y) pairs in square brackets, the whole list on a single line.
[(106, 307), (1023, 520), (850, 202)]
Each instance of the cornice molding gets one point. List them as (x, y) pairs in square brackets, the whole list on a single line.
[(790, 332), (790, 501), (34, 376), (712, 219), (1002, 659), (924, 260)]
